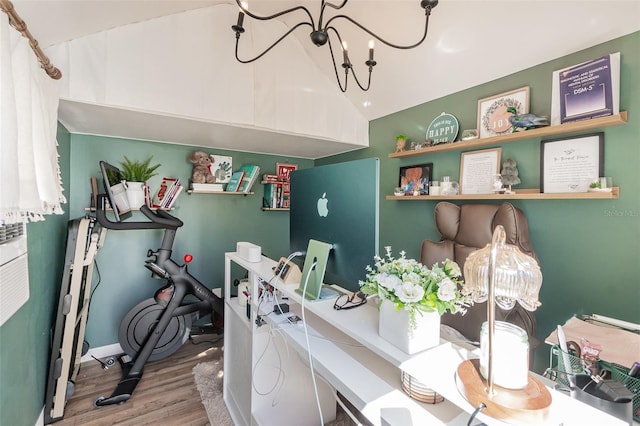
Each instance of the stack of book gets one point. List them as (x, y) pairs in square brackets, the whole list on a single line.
[(167, 193), (207, 187)]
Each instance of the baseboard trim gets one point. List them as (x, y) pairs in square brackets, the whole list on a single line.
[(40, 421), (102, 352)]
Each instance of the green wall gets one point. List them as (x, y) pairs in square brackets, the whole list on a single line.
[(212, 226), (589, 250), (25, 337)]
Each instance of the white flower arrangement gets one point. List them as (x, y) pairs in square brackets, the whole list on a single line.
[(411, 286)]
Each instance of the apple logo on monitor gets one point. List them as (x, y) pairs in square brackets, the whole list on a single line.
[(323, 209)]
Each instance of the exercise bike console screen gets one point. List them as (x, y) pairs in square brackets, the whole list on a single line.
[(114, 186)]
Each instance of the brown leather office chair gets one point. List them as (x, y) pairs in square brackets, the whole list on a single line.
[(464, 229)]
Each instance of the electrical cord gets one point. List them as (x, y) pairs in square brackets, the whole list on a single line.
[(480, 407), (306, 335)]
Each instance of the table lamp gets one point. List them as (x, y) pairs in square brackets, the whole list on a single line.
[(500, 273)]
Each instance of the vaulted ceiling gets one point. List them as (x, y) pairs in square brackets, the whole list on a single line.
[(469, 42)]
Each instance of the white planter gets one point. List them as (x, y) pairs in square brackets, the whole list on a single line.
[(393, 326), (120, 197), (135, 194)]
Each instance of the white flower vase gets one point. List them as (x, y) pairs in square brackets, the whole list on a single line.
[(135, 194), (393, 326)]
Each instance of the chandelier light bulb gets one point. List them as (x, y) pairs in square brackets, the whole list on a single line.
[(371, 46)]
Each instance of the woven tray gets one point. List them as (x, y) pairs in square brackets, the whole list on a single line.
[(418, 391)]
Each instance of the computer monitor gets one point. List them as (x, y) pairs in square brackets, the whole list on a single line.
[(338, 204), (112, 181)]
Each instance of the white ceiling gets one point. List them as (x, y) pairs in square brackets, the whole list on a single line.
[(469, 41)]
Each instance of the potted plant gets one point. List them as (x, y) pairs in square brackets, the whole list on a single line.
[(401, 142), (412, 297), (136, 174)]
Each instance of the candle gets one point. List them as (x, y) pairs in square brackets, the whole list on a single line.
[(371, 46), (345, 55), (510, 355), (241, 14)]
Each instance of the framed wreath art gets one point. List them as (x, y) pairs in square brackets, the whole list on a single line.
[(493, 118)]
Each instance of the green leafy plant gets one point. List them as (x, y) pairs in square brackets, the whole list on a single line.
[(411, 286), (401, 137), (138, 171), (595, 185)]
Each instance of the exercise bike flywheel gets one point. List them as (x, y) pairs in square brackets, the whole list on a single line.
[(141, 320)]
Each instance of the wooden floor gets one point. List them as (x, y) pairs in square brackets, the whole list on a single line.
[(166, 395)]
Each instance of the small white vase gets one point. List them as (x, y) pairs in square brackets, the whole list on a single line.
[(394, 327), (135, 194)]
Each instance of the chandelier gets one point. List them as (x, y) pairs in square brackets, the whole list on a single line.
[(320, 30)]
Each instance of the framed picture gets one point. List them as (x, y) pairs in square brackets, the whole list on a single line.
[(416, 177), (493, 118), (478, 169), (283, 170), (571, 164)]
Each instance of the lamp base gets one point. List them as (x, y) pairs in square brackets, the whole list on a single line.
[(528, 405)]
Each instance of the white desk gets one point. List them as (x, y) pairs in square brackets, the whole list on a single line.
[(347, 354)]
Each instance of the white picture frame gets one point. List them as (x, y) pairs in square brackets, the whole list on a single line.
[(478, 169), (493, 118)]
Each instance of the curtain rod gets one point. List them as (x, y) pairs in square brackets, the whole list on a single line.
[(17, 23)]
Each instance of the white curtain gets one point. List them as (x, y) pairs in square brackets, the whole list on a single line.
[(30, 183)]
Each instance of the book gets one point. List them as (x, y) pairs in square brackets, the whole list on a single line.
[(587, 90), (173, 197), (251, 172), (235, 181), (171, 192), (209, 187), (221, 168), (163, 191)]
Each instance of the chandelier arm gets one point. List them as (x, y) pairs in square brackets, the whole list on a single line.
[(275, 15), (325, 4), (335, 69), (248, 61), (347, 66), (377, 37)]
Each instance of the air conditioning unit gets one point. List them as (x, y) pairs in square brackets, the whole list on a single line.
[(14, 270)]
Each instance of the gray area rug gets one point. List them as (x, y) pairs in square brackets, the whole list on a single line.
[(208, 378)]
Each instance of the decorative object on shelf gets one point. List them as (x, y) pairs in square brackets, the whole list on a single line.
[(443, 129), (401, 143), (136, 174), (500, 273), (509, 174), (588, 90), (477, 170), (498, 188), (398, 191), (601, 184), (416, 178), (201, 167), (412, 297), (493, 118), (469, 134), (320, 34), (583, 155), (526, 121), (221, 167), (448, 186)]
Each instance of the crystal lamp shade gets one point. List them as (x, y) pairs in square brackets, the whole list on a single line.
[(517, 276)]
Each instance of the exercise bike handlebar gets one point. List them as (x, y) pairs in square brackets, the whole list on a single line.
[(160, 219)]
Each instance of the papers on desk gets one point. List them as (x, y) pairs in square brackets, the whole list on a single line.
[(618, 346)]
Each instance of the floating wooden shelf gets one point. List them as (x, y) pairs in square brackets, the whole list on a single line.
[(576, 126), (191, 191), (521, 194), (274, 209)]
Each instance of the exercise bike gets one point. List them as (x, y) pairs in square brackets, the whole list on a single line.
[(158, 326)]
